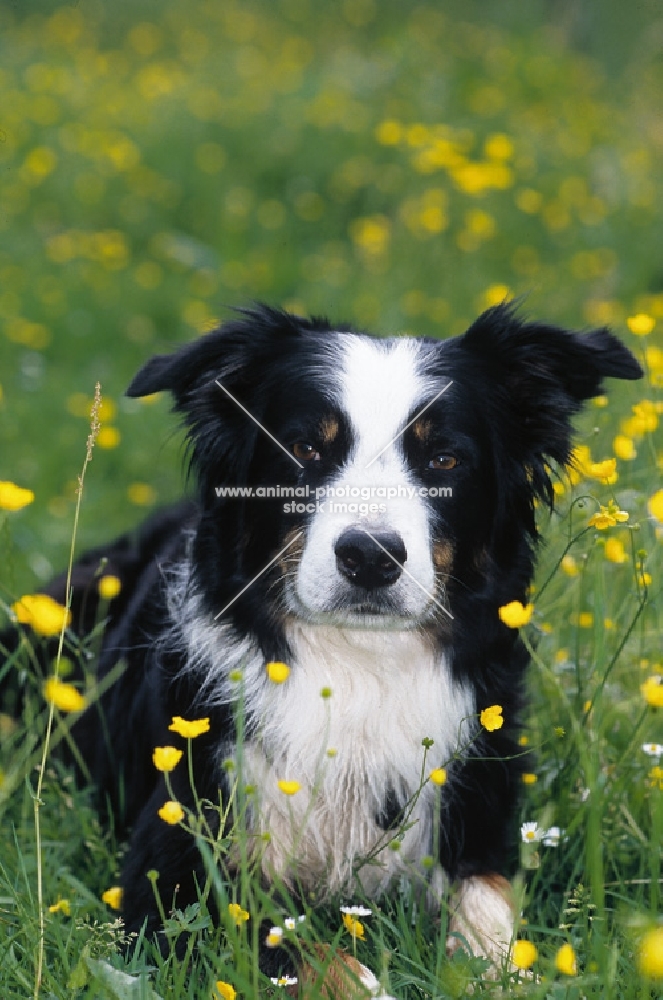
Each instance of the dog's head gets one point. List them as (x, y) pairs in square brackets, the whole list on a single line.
[(395, 473)]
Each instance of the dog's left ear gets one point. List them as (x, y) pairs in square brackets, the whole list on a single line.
[(545, 374)]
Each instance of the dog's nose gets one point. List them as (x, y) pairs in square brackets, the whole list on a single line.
[(370, 560)]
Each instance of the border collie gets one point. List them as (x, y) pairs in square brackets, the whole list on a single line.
[(364, 507)]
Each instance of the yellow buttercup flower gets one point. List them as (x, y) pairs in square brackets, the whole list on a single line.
[(41, 613), (113, 897), (64, 696), (656, 777), (14, 497), (277, 672), (529, 778), (239, 915), (171, 812), (652, 691), (438, 776), (166, 758), (491, 718), (650, 954), (189, 730), (605, 471), (109, 587), (516, 614), (354, 926), (565, 960), (523, 954), (225, 990), (607, 517), (289, 787)]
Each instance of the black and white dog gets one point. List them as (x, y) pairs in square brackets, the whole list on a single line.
[(387, 514)]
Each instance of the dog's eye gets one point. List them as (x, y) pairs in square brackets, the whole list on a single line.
[(444, 462), (305, 452)]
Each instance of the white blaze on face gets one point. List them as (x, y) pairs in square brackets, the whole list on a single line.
[(381, 388)]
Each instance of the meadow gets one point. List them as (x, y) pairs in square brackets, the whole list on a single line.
[(398, 166)]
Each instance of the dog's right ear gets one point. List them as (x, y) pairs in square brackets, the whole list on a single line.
[(223, 353), (155, 376)]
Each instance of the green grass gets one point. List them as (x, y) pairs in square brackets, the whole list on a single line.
[(399, 166)]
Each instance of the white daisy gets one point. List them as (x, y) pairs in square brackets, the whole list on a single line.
[(356, 911), (552, 837), (530, 833)]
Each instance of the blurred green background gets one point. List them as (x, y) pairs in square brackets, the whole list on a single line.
[(397, 165)]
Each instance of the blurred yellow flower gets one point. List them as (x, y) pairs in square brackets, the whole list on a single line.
[(166, 758), (171, 812), (141, 494), (289, 787), (41, 613), (655, 505), (656, 777), (516, 614), (614, 550), (491, 718), (277, 672), (438, 776), (239, 915), (624, 448), (585, 619), (113, 897), (108, 438), (650, 954), (529, 778), (189, 730), (641, 324), (14, 497), (523, 954), (652, 691), (62, 906), (64, 696), (109, 587), (565, 960), (569, 565)]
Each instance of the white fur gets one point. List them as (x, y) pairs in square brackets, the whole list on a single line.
[(380, 388), (483, 917), (389, 691)]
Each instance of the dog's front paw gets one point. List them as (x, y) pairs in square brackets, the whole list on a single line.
[(482, 918), (340, 977)]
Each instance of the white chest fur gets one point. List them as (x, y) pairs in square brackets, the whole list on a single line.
[(384, 692)]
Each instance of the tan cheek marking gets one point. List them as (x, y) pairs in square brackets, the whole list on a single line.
[(443, 555), (329, 430)]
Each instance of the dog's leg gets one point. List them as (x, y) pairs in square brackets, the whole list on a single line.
[(482, 913), (336, 977)]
